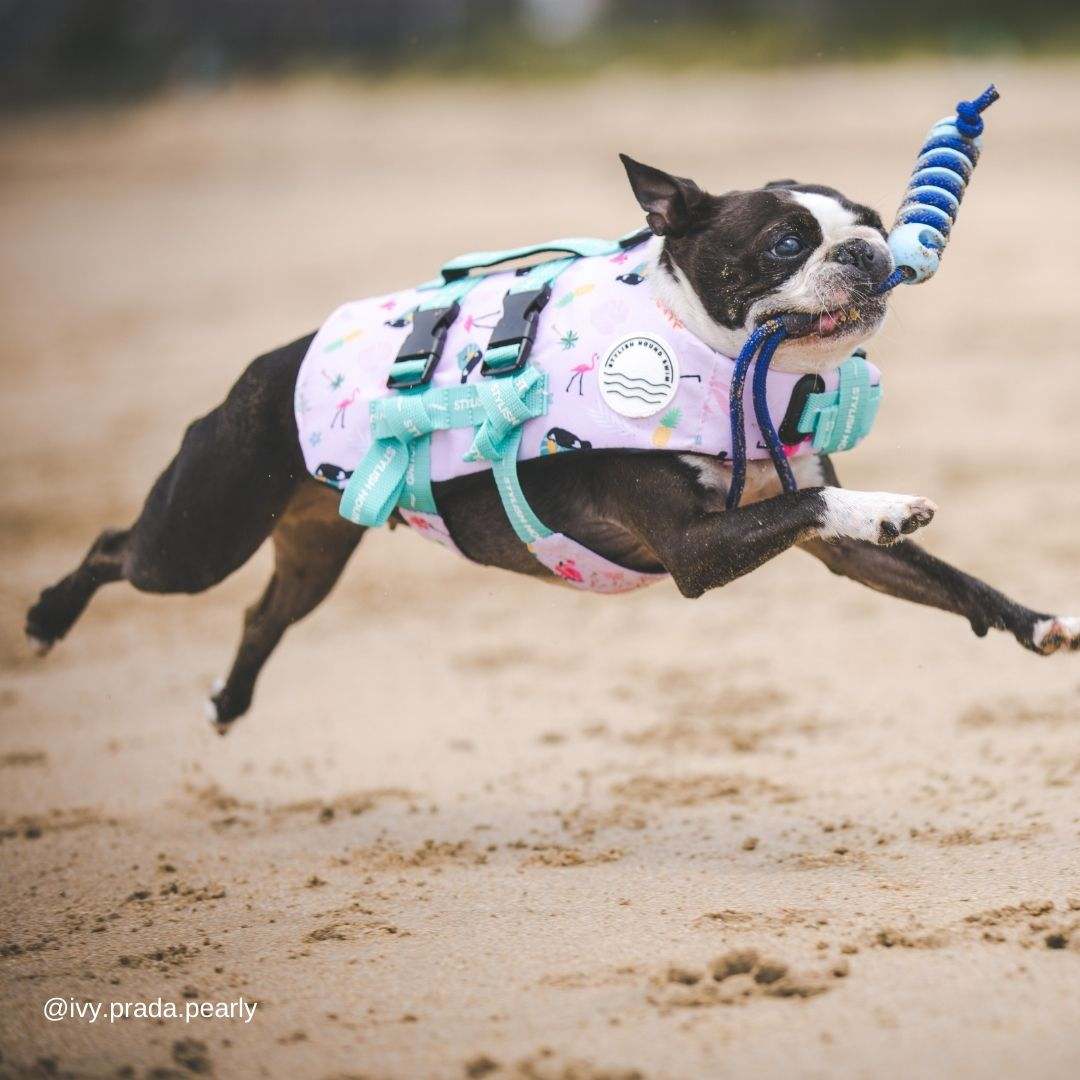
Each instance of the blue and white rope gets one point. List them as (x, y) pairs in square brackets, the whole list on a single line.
[(932, 200), (917, 241), (767, 337)]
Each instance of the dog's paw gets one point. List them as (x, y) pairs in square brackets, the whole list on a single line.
[(43, 627), (1055, 634), (877, 517), (212, 709), (226, 704), (38, 645)]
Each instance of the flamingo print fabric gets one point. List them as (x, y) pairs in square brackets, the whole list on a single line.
[(622, 371)]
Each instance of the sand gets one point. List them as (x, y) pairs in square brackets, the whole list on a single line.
[(474, 825)]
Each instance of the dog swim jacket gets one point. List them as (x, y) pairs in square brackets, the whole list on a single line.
[(610, 368)]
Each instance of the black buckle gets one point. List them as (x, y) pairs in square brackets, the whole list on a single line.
[(425, 342), (789, 431), (520, 316)]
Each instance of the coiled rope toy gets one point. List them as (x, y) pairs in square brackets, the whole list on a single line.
[(917, 241)]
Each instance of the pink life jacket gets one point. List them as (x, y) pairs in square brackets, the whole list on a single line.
[(622, 372)]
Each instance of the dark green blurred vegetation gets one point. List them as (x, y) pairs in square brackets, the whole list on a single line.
[(64, 50)]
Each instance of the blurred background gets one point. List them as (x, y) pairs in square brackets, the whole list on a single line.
[(793, 762), (64, 49)]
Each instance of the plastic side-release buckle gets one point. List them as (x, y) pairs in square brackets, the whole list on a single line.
[(841, 418), (789, 432), (420, 351), (513, 337)]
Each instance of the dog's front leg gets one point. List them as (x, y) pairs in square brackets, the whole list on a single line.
[(907, 571), (911, 573), (716, 547)]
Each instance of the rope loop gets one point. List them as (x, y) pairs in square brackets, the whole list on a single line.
[(767, 337)]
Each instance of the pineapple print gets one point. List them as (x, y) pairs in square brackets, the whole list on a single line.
[(569, 297), (668, 423)]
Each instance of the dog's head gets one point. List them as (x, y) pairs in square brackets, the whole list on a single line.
[(730, 261)]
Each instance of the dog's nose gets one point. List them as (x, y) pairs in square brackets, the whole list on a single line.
[(871, 259)]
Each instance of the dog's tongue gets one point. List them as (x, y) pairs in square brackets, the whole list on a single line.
[(827, 323), (801, 323)]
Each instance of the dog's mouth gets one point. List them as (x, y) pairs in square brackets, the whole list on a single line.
[(854, 317)]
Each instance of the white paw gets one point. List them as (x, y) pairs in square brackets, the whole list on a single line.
[(877, 517), (210, 708), (1060, 632), (38, 646)]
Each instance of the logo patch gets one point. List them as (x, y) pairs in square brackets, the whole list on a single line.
[(639, 376)]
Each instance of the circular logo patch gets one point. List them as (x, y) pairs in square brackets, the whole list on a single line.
[(639, 376)]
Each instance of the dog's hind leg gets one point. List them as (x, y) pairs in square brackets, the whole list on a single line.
[(208, 512), (312, 544), (61, 604)]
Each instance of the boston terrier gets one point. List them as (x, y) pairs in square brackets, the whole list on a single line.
[(725, 264)]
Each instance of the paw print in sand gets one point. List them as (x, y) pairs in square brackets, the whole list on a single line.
[(733, 979)]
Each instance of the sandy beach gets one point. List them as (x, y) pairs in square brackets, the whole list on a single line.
[(473, 825)]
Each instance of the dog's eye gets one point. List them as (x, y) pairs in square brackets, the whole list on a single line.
[(787, 247)]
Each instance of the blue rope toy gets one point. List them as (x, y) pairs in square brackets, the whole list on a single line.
[(917, 241)]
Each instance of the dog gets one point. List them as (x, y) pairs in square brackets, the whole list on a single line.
[(723, 265)]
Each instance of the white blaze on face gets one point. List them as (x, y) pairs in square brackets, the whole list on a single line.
[(819, 285), (818, 282)]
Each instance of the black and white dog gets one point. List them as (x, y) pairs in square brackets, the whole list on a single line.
[(727, 262)]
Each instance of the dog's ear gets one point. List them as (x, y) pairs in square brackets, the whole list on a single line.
[(668, 201), (781, 184)]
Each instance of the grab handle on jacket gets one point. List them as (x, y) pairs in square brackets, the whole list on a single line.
[(576, 246)]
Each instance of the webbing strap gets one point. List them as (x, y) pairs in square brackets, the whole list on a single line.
[(449, 293), (506, 405), (397, 466), (417, 494), (541, 274), (519, 513), (840, 418), (576, 246)]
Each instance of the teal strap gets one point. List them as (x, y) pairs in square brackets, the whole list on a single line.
[(374, 488), (507, 404), (503, 356), (417, 494), (840, 418), (541, 274), (397, 467), (402, 425), (448, 292), (519, 513), (576, 246)]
